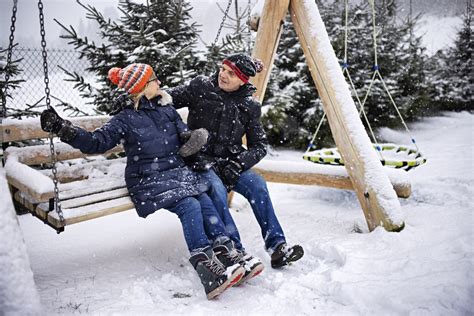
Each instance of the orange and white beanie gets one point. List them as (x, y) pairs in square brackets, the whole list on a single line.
[(132, 78)]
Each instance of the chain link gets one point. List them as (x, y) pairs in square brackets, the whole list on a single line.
[(57, 204), (9, 58), (226, 12), (249, 30)]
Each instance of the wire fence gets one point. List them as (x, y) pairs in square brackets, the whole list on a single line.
[(31, 91)]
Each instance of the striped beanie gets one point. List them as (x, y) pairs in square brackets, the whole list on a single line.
[(244, 66), (132, 78)]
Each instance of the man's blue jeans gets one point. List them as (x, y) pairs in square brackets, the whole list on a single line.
[(254, 188), (198, 216)]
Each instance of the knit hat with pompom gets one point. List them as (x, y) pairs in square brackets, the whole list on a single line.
[(132, 78)]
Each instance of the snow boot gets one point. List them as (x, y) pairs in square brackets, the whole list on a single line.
[(214, 276), (230, 256), (284, 255)]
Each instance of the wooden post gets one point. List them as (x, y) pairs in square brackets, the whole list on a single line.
[(266, 43), (344, 121)]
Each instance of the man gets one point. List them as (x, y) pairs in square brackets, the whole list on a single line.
[(223, 104)]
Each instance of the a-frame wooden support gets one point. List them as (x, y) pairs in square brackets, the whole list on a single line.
[(372, 186)]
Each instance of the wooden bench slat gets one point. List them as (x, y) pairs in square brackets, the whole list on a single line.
[(121, 202), (89, 186), (79, 171), (94, 198), (87, 212)]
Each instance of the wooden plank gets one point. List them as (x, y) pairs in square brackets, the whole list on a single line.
[(80, 209), (40, 154), (94, 198), (402, 189), (266, 43), (89, 186), (87, 212), (79, 171), (25, 201), (339, 121), (15, 130)]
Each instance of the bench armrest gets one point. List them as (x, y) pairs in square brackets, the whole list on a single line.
[(29, 181)]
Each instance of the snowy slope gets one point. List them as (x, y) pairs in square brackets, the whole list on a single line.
[(125, 265)]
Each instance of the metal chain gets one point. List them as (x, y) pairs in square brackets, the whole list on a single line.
[(226, 12), (9, 58), (249, 30), (57, 204)]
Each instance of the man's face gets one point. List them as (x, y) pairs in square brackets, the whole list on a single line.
[(228, 80)]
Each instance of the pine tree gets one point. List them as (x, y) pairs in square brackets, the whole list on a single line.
[(456, 88), (158, 32)]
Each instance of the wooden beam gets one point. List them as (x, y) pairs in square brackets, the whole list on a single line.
[(16, 130), (266, 43), (402, 189), (345, 123), (39, 154)]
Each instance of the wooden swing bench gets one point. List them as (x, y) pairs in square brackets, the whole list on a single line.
[(91, 186)]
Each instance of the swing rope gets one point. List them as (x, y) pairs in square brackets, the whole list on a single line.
[(377, 73), (56, 200), (345, 69)]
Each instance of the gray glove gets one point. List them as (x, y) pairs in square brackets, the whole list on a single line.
[(197, 139)]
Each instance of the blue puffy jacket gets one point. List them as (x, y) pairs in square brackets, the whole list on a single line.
[(156, 176)]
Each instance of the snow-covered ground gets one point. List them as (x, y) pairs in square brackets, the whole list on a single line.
[(125, 265)]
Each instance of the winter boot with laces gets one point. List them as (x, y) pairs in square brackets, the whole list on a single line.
[(284, 255), (229, 255), (214, 276)]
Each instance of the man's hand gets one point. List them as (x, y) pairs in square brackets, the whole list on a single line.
[(231, 174)]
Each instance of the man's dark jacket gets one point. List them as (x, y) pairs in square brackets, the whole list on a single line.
[(227, 116)]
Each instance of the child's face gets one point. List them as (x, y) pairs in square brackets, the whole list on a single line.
[(152, 88)]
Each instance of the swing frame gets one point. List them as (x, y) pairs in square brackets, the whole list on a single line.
[(351, 146)]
